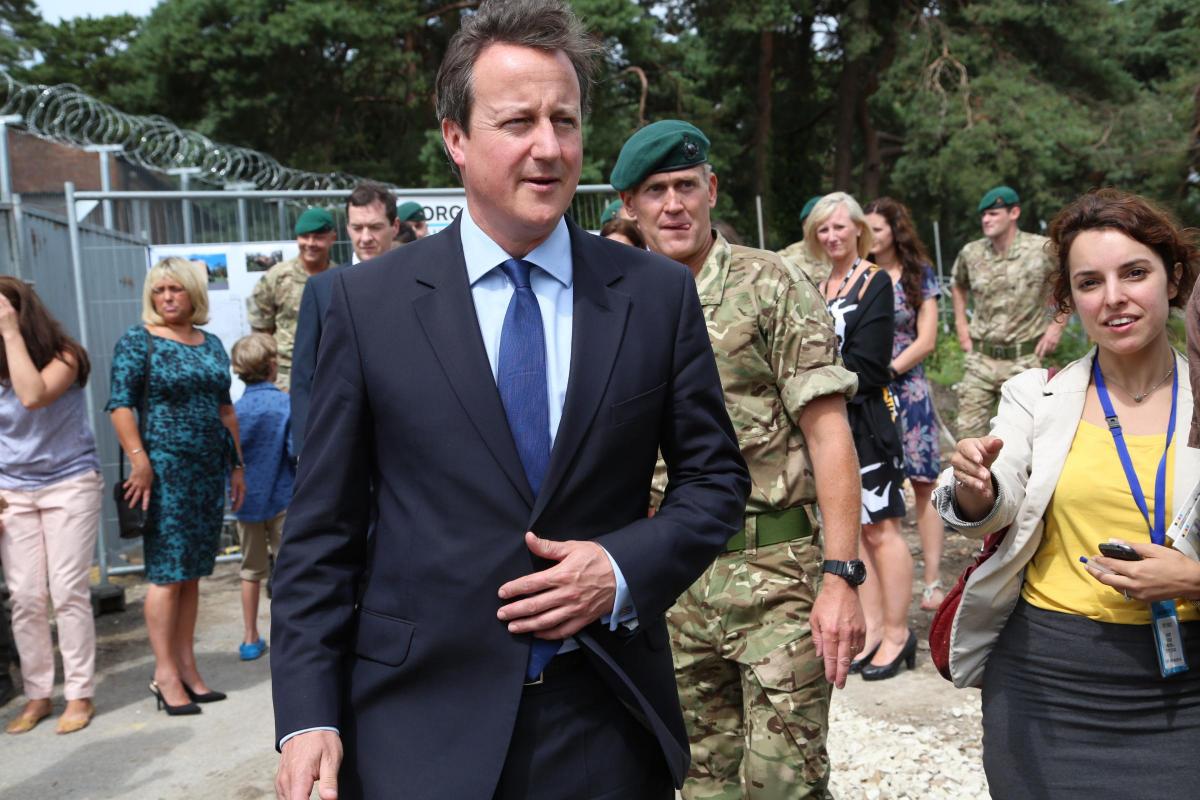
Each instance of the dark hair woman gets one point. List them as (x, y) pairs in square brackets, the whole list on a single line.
[(1082, 679), (50, 482), (624, 231), (898, 250)]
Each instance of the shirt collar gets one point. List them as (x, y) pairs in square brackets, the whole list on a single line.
[(261, 386), (482, 255)]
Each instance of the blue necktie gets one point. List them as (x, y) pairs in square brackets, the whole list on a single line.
[(521, 378)]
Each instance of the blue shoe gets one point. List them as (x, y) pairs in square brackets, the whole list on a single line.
[(249, 652)]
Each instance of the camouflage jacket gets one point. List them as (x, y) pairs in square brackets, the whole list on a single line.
[(274, 307), (817, 269), (1010, 293), (776, 350)]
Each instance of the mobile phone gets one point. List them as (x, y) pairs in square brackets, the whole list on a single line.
[(1122, 552)]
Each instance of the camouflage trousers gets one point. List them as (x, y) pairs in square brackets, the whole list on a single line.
[(979, 390), (754, 695)]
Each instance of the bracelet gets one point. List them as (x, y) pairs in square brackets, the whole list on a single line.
[(135, 452)]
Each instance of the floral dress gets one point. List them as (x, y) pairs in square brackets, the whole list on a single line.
[(189, 447), (911, 390)]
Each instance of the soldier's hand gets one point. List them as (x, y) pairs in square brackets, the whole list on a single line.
[(307, 759), (964, 339), (972, 462), (1049, 341), (838, 629)]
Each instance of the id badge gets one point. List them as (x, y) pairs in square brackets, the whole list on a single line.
[(1168, 638)]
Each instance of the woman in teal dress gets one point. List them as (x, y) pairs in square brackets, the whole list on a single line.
[(178, 465)]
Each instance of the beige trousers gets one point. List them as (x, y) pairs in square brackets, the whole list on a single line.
[(47, 538)]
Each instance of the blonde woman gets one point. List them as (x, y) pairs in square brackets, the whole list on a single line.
[(860, 297), (179, 462)]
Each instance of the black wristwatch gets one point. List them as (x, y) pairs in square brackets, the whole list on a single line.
[(855, 572)]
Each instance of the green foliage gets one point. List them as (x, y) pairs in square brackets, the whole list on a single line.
[(956, 96)]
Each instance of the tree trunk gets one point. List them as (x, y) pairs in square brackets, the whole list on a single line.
[(762, 128), (873, 161), (847, 106)]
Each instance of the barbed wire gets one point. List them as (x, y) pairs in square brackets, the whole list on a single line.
[(65, 114)]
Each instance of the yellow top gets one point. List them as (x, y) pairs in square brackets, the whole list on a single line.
[(1091, 504)]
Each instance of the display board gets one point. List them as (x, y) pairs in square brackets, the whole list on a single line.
[(233, 270)]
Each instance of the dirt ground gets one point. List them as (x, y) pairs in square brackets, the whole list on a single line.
[(912, 736)]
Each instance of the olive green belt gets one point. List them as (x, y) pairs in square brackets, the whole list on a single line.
[(1002, 350), (774, 527)]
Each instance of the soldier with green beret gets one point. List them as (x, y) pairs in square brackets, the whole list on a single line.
[(611, 211), (1004, 275), (797, 253), (413, 213), (756, 645), (274, 306)]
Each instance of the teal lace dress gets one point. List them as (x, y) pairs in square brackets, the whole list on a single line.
[(190, 450)]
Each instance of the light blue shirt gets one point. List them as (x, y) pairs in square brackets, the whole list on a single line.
[(552, 284)]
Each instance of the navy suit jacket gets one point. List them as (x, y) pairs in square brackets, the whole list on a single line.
[(407, 658), (314, 302)]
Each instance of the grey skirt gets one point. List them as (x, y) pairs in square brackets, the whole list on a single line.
[(1074, 708)]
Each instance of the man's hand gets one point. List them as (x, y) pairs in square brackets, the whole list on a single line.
[(1049, 341), (312, 757), (560, 601), (964, 338), (838, 629)]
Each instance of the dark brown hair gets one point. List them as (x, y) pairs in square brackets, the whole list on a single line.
[(368, 193), (910, 250), (44, 336), (626, 228), (547, 25), (1138, 218)]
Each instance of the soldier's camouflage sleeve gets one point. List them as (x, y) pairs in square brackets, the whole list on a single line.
[(959, 276), (803, 348), (260, 306)]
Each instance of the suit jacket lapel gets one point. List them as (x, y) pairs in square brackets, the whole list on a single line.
[(597, 326), (447, 315)]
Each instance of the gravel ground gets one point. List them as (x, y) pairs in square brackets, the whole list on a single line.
[(909, 737)]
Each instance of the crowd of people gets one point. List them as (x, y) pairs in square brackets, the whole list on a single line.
[(633, 501)]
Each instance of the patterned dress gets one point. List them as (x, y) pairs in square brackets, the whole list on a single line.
[(922, 461), (863, 321), (189, 448)]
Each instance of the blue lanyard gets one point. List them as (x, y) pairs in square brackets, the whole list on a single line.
[(1159, 529)]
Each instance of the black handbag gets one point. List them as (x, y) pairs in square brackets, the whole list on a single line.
[(134, 522)]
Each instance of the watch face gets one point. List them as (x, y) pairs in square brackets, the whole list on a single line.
[(858, 571)]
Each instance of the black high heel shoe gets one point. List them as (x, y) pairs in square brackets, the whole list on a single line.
[(857, 664), (207, 697), (172, 711), (908, 654)]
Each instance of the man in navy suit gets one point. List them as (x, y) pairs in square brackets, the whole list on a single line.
[(372, 224), (494, 397)]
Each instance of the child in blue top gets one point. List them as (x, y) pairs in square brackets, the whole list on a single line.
[(264, 422)]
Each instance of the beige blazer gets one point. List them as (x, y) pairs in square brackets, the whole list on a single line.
[(1036, 420)]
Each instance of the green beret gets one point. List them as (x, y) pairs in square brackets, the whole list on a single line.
[(808, 207), (610, 211), (662, 146), (412, 211), (314, 220), (1000, 197)]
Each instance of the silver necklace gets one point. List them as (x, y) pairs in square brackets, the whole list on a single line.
[(1137, 398)]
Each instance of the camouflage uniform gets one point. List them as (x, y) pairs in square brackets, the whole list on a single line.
[(817, 269), (1009, 294), (754, 695), (274, 308)]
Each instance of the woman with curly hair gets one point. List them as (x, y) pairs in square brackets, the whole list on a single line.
[(899, 250)]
